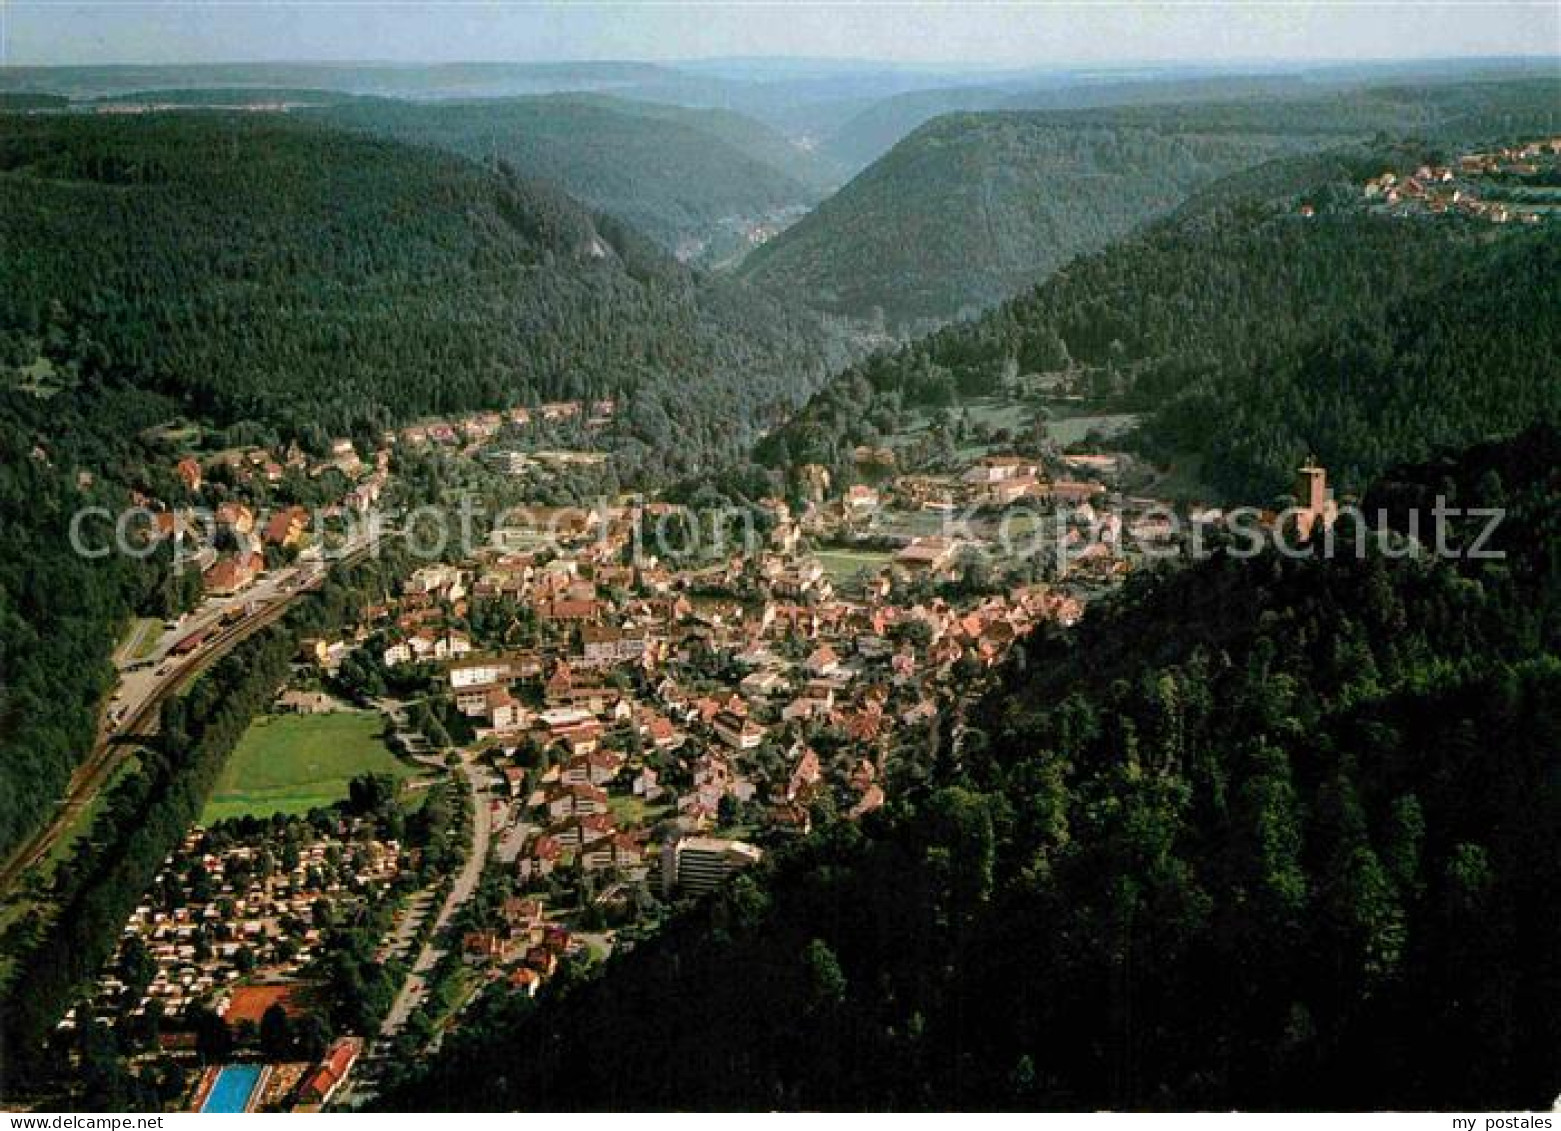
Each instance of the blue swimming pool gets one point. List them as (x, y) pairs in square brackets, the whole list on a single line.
[(232, 1088)]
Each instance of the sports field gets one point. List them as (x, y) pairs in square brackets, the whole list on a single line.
[(294, 763)]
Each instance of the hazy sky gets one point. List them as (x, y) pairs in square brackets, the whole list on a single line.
[(1002, 32)]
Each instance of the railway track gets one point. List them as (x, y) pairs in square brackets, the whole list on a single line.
[(117, 743)]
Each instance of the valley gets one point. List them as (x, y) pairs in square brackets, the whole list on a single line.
[(502, 555)]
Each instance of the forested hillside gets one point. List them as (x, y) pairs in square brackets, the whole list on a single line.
[(16, 101), (220, 97), (234, 268), (1253, 335), (59, 612), (971, 208), (266, 268), (870, 134), (764, 143), (672, 173), (398, 80), (1264, 833), (873, 132)]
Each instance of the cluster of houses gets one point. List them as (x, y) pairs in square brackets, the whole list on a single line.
[(479, 427), (654, 706), (523, 946), (229, 539), (218, 919), (648, 724), (994, 480), (1001, 507), (1466, 187)]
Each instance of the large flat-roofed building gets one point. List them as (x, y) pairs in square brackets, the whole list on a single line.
[(696, 864)]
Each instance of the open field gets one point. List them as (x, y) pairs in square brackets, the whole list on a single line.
[(999, 413), (908, 523), (294, 763), (179, 434), (1015, 416), (635, 811), (843, 565), (1072, 429)]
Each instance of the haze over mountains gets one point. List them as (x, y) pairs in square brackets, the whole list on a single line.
[(689, 178), (711, 159)]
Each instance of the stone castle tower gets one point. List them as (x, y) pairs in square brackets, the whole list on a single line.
[(1314, 499)]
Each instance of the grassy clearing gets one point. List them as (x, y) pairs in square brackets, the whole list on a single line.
[(632, 811), (294, 763), (993, 412), (1072, 429), (1012, 415), (141, 641), (843, 565), (1015, 416), (179, 434), (894, 522)]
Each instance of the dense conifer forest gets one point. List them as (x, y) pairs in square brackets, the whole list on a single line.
[(672, 173), (1263, 833), (261, 267), (971, 208), (1252, 334), (59, 612)]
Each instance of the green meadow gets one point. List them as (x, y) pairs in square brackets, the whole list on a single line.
[(294, 763)]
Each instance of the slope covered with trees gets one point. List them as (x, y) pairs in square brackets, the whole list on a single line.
[(973, 207), (672, 173), (261, 267), (390, 80), (60, 612), (1252, 334), (1265, 833)]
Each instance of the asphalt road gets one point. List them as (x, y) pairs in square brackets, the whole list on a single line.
[(412, 990)]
